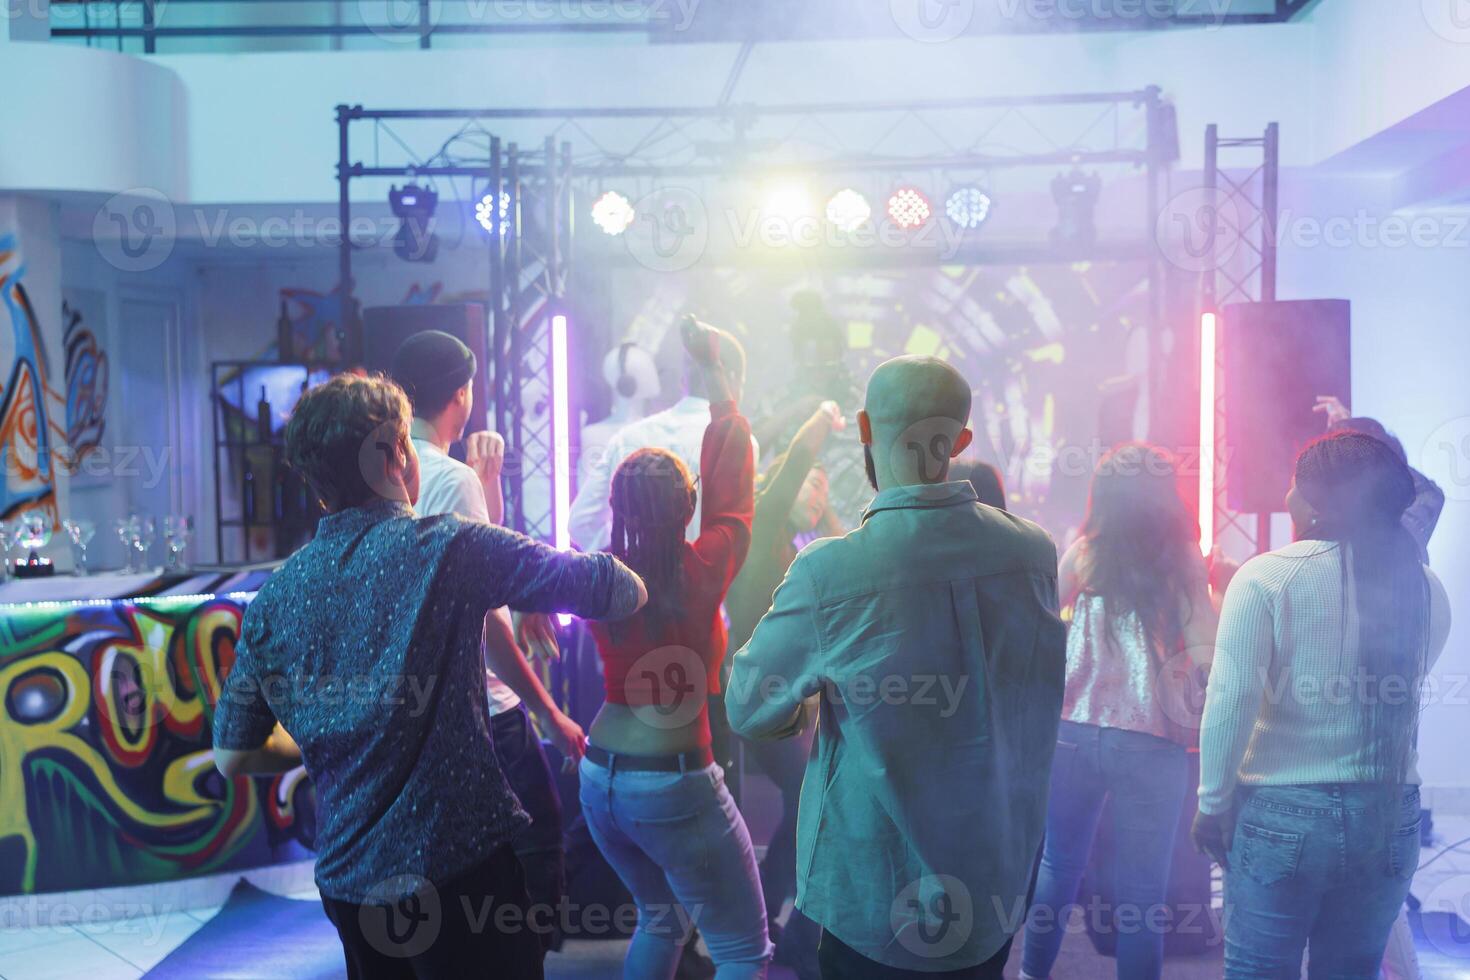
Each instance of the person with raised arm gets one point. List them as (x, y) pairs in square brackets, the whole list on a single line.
[(654, 797), (791, 500), (1309, 789)]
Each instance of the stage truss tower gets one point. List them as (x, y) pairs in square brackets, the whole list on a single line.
[(1241, 180)]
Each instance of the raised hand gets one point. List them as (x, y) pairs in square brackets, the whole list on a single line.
[(834, 415), (1333, 408), (485, 454), (701, 342)]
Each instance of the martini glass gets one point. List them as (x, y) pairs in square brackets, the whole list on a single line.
[(126, 529), (80, 533), (177, 530)]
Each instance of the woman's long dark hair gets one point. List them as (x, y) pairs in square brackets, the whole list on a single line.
[(1360, 488), (652, 503), (1142, 544)]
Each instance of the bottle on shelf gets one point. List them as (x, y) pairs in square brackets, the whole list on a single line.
[(285, 335), (247, 490), (263, 417)]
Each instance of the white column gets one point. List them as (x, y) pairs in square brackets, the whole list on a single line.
[(25, 20)]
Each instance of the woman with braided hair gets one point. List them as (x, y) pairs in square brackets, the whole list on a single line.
[(654, 797), (1308, 795)]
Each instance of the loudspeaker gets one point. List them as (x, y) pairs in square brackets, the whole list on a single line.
[(385, 327), (1278, 358)]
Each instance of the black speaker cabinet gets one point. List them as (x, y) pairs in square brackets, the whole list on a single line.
[(1278, 358), (385, 327)]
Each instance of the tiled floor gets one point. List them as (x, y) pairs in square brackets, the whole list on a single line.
[(125, 949), (110, 949)]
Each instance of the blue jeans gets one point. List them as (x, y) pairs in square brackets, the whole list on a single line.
[(1147, 778), (1327, 866), (680, 845)]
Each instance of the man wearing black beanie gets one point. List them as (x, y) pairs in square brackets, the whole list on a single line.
[(436, 371)]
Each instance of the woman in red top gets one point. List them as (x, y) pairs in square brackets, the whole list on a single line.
[(654, 799)]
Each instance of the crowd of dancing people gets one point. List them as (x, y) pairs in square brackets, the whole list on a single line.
[(943, 701)]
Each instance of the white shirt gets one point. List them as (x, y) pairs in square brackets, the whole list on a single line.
[(447, 486), (1281, 707), (678, 428)]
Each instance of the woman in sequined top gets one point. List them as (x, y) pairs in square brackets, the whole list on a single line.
[(1142, 633)]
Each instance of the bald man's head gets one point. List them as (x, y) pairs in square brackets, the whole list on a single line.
[(915, 419)]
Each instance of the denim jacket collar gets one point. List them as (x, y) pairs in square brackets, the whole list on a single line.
[(918, 496)]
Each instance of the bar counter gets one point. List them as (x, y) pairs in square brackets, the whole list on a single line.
[(107, 688)]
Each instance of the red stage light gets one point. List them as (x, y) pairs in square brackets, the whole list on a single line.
[(908, 207)]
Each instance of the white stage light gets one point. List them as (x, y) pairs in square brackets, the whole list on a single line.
[(848, 210), (787, 203), (485, 212), (613, 213)]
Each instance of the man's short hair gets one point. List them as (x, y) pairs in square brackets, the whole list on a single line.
[(908, 389), (431, 366), (330, 426)]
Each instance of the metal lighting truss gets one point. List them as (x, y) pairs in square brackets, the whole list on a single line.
[(707, 146), (1244, 205)]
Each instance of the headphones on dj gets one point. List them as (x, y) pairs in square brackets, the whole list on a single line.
[(626, 386)]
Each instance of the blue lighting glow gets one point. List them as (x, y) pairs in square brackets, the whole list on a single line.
[(968, 207)]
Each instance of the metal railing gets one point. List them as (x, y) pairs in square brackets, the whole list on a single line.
[(141, 25)]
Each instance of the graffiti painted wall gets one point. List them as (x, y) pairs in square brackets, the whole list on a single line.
[(106, 777), (54, 373), (32, 407)]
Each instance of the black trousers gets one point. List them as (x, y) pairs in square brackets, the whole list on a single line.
[(841, 962), (473, 925), (539, 846)]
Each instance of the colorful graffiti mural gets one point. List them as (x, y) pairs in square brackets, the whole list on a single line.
[(27, 404), (86, 387), (106, 775)]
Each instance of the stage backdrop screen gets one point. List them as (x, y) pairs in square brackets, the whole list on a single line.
[(1056, 356)]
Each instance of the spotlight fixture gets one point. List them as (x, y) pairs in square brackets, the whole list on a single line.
[(613, 213), (414, 207), (848, 210), (787, 203), (1076, 195), (908, 207), (485, 212), (968, 207)]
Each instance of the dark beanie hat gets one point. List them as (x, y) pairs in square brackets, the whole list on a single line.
[(430, 367)]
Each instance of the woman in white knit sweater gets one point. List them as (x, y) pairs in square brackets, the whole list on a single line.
[(1308, 791)]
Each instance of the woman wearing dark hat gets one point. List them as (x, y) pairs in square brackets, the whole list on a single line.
[(1308, 793)]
